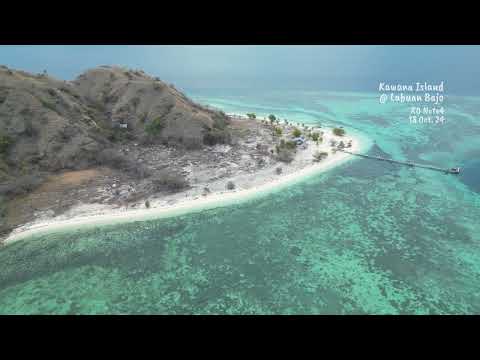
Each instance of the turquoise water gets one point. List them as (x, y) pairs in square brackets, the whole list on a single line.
[(365, 237)]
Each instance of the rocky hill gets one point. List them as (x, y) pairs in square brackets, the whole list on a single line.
[(49, 125)]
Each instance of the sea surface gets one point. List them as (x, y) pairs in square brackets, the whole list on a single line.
[(365, 237)]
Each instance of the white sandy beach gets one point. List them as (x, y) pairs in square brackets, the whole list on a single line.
[(256, 184)]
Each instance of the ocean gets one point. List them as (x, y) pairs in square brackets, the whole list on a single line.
[(366, 237)]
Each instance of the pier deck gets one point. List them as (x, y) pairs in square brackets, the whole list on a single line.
[(408, 163)]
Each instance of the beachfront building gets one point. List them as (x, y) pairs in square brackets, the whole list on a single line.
[(299, 140)]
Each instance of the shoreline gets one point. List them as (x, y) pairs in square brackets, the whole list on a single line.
[(99, 215)]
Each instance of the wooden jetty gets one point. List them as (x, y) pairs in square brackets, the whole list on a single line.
[(408, 163)]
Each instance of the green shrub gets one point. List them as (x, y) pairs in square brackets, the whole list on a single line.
[(48, 105), (155, 127), (338, 131), (297, 132), (117, 135), (143, 117), (286, 145), (216, 136), (285, 155), (172, 182), (115, 160), (278, 131), (135, 102), (3, 95), (220, 121), (5, 142), (291, 145)]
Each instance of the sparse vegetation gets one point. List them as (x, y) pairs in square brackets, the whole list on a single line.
[(319, 155), (230, 185), (29, 128), (338, 131), (278, 170), (191, 143), (286, 150), (135, 102), (48, 105), (220, 121), (3, 210), (21, 185), (89, 134), (115, 160), (172, 182), (155, 127), (290, 145), (143, 117), (297, 132), (51, 92), (285, 155), (3, 95), (5, 142), (216, 136), (116, 135), (272, 118)]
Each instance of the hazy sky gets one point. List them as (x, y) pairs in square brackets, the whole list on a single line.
[(200, 66)]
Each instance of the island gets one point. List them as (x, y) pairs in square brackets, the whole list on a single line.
[(116, 144)]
